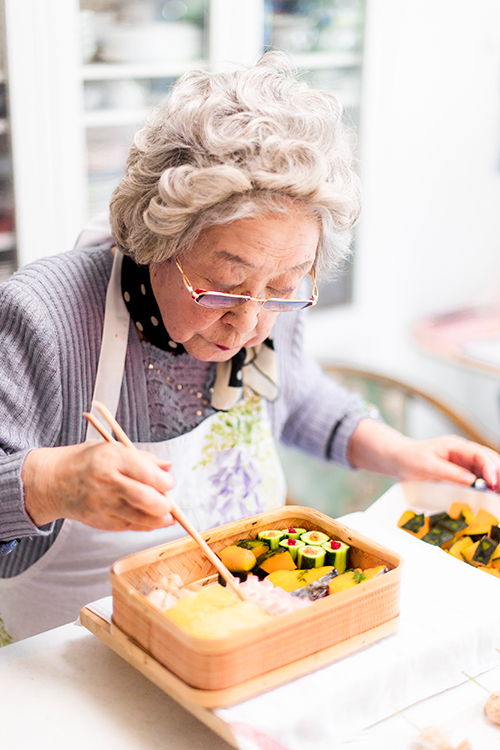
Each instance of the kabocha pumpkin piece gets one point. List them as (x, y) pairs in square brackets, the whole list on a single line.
[(435, 518), (461, 544), (439, 537), (272, 536), (405, 517), (292, 545), (290, 580), (237, 559), (495, 558), (336, 554), (477, 530), (418, 525), (483, 516), (469, 552), (484, 551), (457, 525), (257, 546), (464, 510), (276, 559)]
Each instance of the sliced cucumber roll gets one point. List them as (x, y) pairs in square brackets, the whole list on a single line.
[(336, 554), (292, 545), (315, 538), (294, 532), (272, 536), (310, 557)]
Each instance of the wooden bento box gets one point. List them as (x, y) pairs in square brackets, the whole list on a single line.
[(217, 664)]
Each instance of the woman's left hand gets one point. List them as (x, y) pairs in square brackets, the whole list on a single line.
[(377, 447)]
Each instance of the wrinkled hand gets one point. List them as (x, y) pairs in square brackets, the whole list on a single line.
[(377, 447), (104, 485)]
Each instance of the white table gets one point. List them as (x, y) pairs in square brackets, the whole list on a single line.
[(66, 689)]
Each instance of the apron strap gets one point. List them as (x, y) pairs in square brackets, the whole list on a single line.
[(113, 347)]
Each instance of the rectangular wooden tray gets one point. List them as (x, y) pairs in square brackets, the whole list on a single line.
[(198, 702), (220, 664)]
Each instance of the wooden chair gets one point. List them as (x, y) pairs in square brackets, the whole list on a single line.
[(410, 409)]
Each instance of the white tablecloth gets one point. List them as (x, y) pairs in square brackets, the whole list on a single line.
[(66, 689)]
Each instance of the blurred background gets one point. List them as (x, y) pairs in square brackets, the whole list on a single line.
[(419, 302)]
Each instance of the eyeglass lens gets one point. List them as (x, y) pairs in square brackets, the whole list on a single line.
[(223, 302)]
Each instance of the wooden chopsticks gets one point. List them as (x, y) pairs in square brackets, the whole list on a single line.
[(177, 513)]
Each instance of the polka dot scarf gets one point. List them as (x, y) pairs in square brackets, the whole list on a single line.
[(253, 369)]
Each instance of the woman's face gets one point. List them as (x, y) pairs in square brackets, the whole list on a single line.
[(267, 257)]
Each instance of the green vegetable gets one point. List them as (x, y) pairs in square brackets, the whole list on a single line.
[(292, 545), (272, 536), (336, 555), (294, 532), (310, 557), (315, 538)]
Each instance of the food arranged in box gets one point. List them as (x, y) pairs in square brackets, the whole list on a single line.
[(298, 602), (471, 537)]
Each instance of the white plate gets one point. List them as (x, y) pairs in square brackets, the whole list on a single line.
[(429, 497)]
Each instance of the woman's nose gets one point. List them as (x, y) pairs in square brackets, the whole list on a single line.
[(244, 319)]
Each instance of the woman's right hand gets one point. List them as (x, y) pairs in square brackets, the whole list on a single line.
[(103, 485)]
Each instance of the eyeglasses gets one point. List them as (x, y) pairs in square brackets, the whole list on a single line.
[(223, 301)]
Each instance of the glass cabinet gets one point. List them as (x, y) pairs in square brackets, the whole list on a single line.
[(89, 71)]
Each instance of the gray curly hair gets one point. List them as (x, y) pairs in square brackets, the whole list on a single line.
[(236, 145)]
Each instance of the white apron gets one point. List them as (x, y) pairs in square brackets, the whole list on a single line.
[(226, 468)]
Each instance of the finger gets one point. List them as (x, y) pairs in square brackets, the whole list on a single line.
[(482, 461), (134, 520), (144, 498), (490, 471), (165, 465), (142, 467), (451, 472), (118, 523)]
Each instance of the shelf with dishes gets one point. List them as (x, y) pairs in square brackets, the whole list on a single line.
[(331, 60), (114, 117), (107, 71), (121, 94)]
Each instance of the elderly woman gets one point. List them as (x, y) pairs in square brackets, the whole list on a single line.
[(185, 322)]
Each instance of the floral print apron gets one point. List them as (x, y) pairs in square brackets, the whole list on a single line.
[(227, 468)]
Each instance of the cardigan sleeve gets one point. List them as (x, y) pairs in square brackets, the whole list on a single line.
[(30, 399)]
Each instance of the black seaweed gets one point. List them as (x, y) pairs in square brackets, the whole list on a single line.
[(414, 524), (484, 551), (438, 536)]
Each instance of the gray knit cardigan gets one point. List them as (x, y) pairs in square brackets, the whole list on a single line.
[(51, 318)]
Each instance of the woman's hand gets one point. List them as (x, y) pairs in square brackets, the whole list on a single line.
[(377, 447), (104, 485)]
